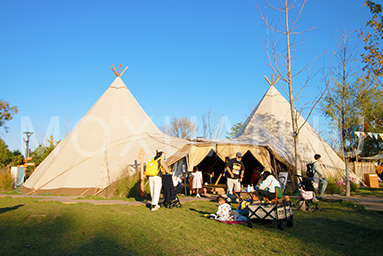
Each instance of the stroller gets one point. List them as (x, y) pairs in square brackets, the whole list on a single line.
[(307, 199), (170, 193)]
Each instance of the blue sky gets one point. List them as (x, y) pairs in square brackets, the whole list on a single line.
[(184, 57)]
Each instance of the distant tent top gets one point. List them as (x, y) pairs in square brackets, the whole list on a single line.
[(102, 147), (270, 125)]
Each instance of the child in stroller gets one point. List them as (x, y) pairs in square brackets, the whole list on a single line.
[(307, 195)]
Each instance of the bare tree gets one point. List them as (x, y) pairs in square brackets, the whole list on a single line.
[(181, 127), (211, 126), (67, 125), (280, 60)]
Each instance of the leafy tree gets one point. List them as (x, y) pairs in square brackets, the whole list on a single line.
[(9, 158), (42, 151), (350, 101), (6, 112), (372, 39), (17, 158), (233, 130)]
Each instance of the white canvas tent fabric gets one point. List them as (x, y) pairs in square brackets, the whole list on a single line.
[(102, 148), (270, 125), (196, 151)]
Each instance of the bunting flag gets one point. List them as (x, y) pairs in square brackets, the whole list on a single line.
[(364, 127), (372, 135)]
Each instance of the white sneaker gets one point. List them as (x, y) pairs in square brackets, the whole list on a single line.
[(155, 208), (315, 200), (198, 196)]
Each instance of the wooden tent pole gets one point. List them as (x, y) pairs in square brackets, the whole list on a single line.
[(272, 83), (118, 72), (123, 71), (113, 71), (142, 176)]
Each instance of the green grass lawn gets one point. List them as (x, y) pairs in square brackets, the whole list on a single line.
[(29, 227), (367, 191)]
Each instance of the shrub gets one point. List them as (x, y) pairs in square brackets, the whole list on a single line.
[(6, 181), (332, 188), (339, 186), (129, 187)]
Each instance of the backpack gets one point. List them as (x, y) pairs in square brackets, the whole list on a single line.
[(152, 167), (310, 170)]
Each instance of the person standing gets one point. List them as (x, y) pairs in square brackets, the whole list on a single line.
[(196, 181), (155, 182), (379, 170), (318, 175), (235, 169)]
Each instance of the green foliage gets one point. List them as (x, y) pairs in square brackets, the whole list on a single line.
[(6, 182), (338, 186), (6, 112), (373, 58), (362, 103), (233, 130), (129, 187), (8, 158), (41, 152), (333, 189)]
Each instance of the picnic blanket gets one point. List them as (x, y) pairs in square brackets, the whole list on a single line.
[(233, 222)]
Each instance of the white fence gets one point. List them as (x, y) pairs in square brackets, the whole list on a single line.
[(360, 168)]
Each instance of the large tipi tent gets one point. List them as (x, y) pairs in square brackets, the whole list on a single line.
[(102, 148), (270, 125)]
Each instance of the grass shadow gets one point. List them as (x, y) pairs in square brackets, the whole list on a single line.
[(6, 209), (200, 212)]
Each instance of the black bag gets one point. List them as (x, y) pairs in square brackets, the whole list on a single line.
[(310, 170)]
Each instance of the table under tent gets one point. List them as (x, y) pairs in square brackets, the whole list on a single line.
[(210, 155)]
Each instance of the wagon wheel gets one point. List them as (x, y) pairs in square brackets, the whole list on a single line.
[(250, 224), (280, 225)]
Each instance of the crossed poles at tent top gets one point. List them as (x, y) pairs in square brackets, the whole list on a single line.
[(118, 72)]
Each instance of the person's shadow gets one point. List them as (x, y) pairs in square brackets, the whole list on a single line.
[(6, 209), (200, 212)]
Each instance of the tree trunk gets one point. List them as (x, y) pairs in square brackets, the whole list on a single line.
[(294, 121)]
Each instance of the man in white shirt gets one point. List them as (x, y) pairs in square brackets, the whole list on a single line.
[(319, 176)]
